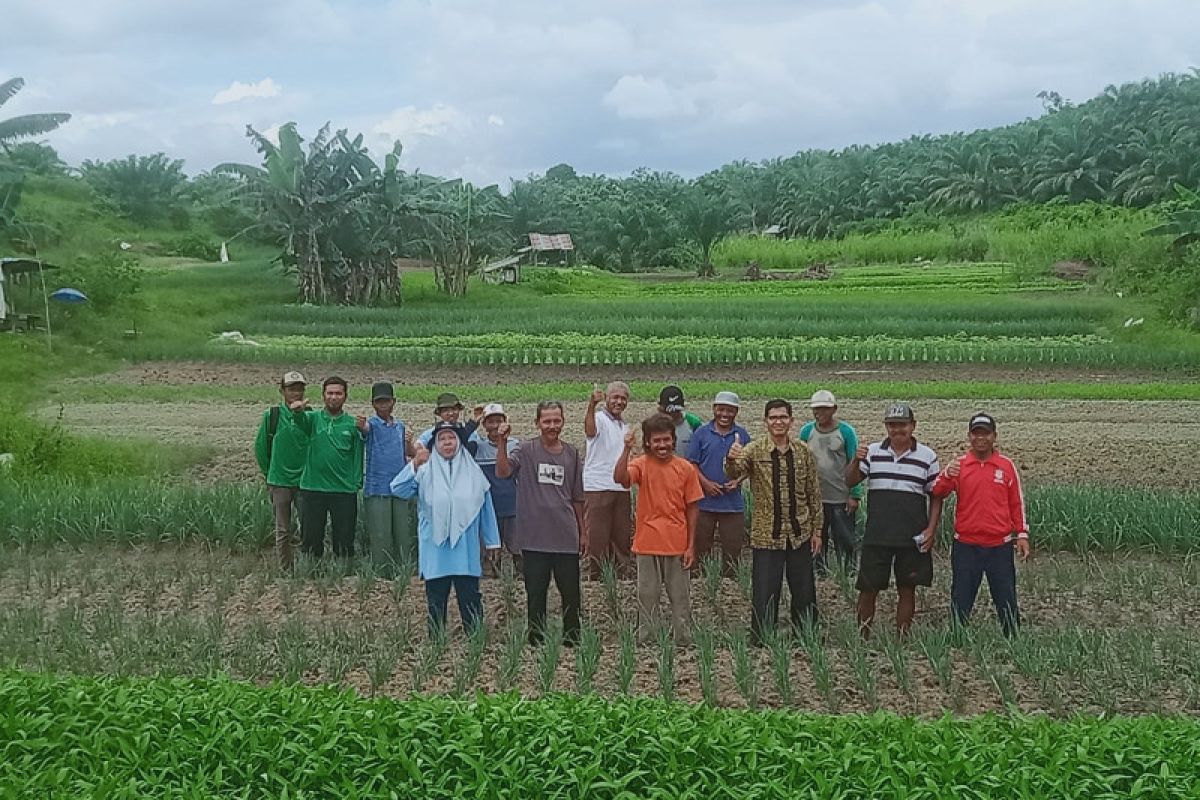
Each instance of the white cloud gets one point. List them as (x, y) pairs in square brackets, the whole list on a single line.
[(639, 97), (409, 121), (496, 120), (239, 91)]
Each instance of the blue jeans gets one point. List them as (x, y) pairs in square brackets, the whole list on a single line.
[(837, 534), (968, 564), (470, 601)]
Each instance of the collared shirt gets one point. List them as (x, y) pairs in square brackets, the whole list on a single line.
[(786, 491), (991, 506), (282, 463), (504, 490), (707, 451), (385, 455), (898, 488), (335, 452)]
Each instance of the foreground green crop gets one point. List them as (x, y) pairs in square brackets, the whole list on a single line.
[(74, 737)]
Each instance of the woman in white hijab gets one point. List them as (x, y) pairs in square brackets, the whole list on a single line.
[(454, 515)]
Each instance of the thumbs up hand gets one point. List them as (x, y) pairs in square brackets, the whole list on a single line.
[(735, 449)]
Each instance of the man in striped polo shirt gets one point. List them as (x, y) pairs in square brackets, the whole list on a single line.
[(902, 517), (989, 525)]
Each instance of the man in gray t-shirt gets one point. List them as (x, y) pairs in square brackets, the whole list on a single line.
[(549, 475), (833, 444)]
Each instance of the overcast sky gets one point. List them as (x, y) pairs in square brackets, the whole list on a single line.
[(495, 90)]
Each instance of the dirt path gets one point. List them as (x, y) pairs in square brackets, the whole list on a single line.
[(1116, 443)]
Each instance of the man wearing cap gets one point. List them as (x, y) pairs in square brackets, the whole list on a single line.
[(449, 409), (391, 522), (333, 471), (607, 504), (833, 444), (671, 403), (504, 490), (902, 517), (280, 449), (723, 507), (989, 525)]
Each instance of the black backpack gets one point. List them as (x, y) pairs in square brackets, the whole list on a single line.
[(272, 426)]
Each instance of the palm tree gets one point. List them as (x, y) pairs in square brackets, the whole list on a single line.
[(26, 125)]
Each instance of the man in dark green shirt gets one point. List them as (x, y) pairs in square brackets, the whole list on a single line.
[(333, 471), (281, 449)]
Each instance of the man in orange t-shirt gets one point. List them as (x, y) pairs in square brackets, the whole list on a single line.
[(664, 537)]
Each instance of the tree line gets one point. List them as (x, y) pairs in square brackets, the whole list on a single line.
[(342, 219)]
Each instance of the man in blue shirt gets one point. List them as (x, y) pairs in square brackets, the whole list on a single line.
[(484, 444), (722, 509), (391, 523)]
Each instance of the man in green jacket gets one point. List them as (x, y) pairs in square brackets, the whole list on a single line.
[(281, 448), (333, 471)]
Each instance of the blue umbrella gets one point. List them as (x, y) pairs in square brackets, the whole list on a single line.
[(68, 295)]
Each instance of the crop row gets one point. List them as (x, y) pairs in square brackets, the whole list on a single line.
[(575, 348), (1082, 518), (175, 738)]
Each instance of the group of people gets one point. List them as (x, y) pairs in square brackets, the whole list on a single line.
[(457, 495)]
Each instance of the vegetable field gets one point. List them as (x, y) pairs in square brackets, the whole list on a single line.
[(61, 736)]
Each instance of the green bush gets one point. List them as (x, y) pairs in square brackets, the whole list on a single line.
[(79, 737), (193, 245)]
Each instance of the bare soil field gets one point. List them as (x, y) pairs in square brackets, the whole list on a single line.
[(1109, 634), (1115, 443)]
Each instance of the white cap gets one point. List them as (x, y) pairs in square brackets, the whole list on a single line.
[(494, 408), (727, 399), (293, 377), (822, 399)]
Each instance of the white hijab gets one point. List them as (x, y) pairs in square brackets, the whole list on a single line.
[(454, 489)]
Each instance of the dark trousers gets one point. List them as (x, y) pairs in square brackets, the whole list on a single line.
[(466, 590), (727, 528), (342, 510), (768, 570), (539, 567), (838, 535), (968, 564)]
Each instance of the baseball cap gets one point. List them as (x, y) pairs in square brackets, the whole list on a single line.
[(727, 399), (671, 399), (448, 400), (492, 409), (982, 420), (899, 412), (382, 391), (822, 399), (293, 377)]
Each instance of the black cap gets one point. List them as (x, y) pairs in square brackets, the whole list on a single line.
[(982, 420), (382, 391), (448, 400), (671, 399), (899, 412)]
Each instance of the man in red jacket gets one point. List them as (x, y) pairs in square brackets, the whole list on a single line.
[(989, 524)]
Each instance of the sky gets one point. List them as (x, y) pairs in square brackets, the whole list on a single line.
[(492, 91)]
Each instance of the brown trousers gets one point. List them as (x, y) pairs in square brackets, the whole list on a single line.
[(655, 573), (283, 500), (607, 517), (728, 528)]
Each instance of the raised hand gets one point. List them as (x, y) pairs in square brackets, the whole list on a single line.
[(361, 421), (298, 405), (477, 413), (735, 449), (420, 455), (953, 469), (861, 453), (597, 395), (630, 439), (503, 430)]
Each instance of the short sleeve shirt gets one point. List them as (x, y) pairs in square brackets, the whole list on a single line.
[(898, 488), (707, 451), (665, 490), (603, 450), (548, 486)]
